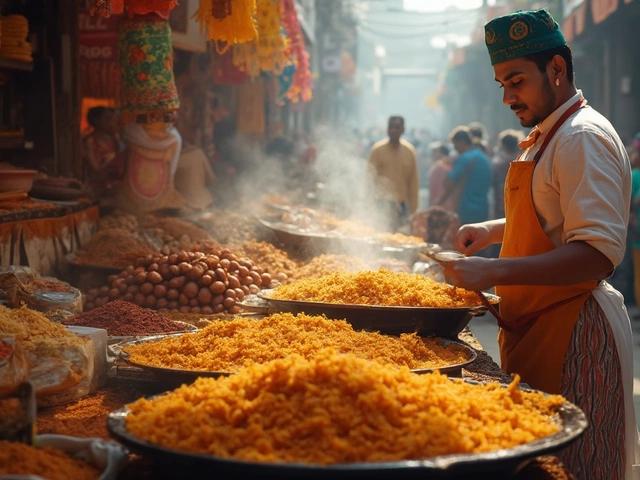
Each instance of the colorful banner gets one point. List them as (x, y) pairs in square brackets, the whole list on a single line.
[(99, 69)]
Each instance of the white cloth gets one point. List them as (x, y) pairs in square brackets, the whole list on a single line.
[(612, 304), (136, 134), (582, 184), (581, 191)]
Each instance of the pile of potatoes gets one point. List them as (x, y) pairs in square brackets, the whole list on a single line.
[(188, 282)]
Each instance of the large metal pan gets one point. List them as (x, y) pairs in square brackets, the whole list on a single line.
[(425, 321), (499, 464), (173, 377)]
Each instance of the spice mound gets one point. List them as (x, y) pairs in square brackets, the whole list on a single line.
[(50, 463), (228, 346), (382, 287), (123, 318), (337, 408), (111, 248), (35, 331), (329, 263)]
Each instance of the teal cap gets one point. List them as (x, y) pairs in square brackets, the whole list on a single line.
[(522, 33)]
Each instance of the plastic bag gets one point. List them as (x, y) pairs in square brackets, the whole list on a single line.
[(109, 457), (23, 285), (14, 368), (62, 375)]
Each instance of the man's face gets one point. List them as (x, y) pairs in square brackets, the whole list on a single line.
[(458, 145), (527, 91), (395, 130), (108, 122)]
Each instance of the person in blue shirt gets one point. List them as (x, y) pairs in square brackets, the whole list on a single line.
[(470, 179)]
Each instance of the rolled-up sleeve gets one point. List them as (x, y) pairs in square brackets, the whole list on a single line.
[(595, 188)]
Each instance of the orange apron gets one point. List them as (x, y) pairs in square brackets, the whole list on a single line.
[(536, 320)]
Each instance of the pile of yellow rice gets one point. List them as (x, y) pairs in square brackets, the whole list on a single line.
[(382, 287), (337, 408), (228, 346)]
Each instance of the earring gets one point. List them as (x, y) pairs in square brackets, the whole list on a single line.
[(557, 82)]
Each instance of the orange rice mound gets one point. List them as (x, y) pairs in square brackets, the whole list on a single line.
[(382, 287), (337, 408), (21, 459), (228, 346)]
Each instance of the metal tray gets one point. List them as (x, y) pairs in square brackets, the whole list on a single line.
[(173, 377), (425, 321), (497, 464)]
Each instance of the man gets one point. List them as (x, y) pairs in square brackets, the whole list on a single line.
[(467, 184), (478, 134), (394, 162), (564, 329)]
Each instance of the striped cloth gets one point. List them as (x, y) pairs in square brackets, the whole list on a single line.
[(592, 380)]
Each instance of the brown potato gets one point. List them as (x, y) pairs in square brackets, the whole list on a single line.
[(217, 287), (140, 278), (182, 256), (154, 277), (185, 267), (184, 309), (225, 263), (173, 294), (257, 278), (229, 302), (173, 259), (114, 293), (266, 279), (234, 266), (191, 289), (246, 281), (150, 301), (244, 271), (153, 267), (104, 290), (217, 300), (221, 274), (174, 270), (230, 294), (162, 303), (206, 310), (218, 308), (239, 294), (146, 288), (233, 281), (193, 302), (234, 310), (172, 305), (128, 297), (204, 296), (139, 299), (195, 310), (183, 299), (163, 270), (254, 289), (206, 280), (133, 289), (160, 291), (177, 282)]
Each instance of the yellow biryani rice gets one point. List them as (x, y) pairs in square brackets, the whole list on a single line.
[(382, 287), (228, 346), (337, 408)]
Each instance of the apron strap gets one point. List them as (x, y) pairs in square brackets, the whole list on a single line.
[(570, 111)]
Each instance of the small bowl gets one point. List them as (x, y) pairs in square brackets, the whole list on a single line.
[(16, 180)]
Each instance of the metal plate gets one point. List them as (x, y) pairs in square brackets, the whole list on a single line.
[(425, 321), (174, 377), (496, 464)]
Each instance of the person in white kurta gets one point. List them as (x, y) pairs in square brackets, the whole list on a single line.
[(579, 183)]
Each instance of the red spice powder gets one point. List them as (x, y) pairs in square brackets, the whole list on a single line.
[(124, 318)]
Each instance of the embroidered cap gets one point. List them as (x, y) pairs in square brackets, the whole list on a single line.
[(522, 33)]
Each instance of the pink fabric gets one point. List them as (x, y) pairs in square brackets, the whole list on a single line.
[(437, 176)]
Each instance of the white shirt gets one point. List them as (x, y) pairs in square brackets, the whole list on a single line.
[(582, 184)]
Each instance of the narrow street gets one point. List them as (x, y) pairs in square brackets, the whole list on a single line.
[(486, 330)]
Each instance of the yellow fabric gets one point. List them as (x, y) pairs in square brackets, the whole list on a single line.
[(537, 351), (270, 51), (251, 114), (397, 172), (238, 27), (42, 243)]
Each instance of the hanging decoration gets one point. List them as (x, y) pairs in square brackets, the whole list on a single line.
[(105, 8), (227, 22), (225, 72), (284, 82), (148, 90), (270, 51), (302, 82)]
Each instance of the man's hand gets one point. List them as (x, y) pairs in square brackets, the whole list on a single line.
[(473, 237), (471, 273)]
